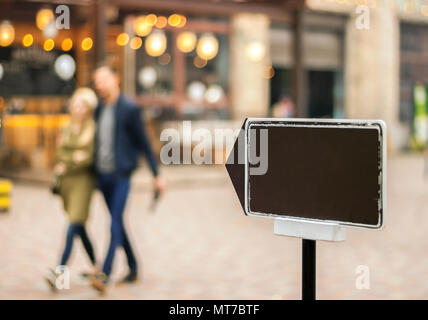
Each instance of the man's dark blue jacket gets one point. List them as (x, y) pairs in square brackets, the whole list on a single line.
[(130, 138)]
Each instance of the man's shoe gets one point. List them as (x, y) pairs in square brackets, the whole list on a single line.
[(99, 281), (130, 278)]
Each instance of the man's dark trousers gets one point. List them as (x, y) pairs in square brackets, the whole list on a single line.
[(115, 189)]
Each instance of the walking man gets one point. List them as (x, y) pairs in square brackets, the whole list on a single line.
[(119, 139)]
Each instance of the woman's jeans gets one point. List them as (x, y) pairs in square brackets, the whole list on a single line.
[(77, 229)]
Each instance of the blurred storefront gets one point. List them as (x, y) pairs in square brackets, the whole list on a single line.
[(384, 63), (213, 62)]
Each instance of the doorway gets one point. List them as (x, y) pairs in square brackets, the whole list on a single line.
[(321, 94)]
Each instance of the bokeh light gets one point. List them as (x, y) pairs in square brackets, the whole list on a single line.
[(27, 40), (255, 51), (48, 45), (207, 47), (7, 33), (151, 19), (183, 21), (199, 63), (43, 17), (161, 22), (186, 41), (65, 67), (66, 44), (174, 20), (156, 43), (122, 39), (135, 43), (196, 91), (50, 31), (141, 28), (268, 72), (147, 77), (87, 44), (214, 93)]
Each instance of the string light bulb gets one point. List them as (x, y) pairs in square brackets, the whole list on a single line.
[(207, 47), (156, 43), (142, 28), (48, 45), (7, 33), (87, 44), (43, 17), (27, 40), (186, 41), (66, 44)]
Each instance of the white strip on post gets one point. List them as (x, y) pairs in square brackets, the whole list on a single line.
[(309, 230)]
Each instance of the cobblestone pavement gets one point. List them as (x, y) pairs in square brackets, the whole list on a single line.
[(199, 244)]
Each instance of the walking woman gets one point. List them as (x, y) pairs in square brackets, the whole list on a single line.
[(76, 182)]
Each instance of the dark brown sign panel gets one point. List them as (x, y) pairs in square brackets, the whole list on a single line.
[(319, 170)]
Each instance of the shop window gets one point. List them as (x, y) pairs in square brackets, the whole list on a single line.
[(207, 83), (32, 72)]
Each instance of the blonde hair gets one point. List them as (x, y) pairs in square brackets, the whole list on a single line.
[(87, 95)]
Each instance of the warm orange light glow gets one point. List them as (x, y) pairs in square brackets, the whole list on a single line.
[(161, 22), (151, 19), (186, 41), (268, 72), (207, 47), (87, 44), (48, 45), (183, 21), (27, 40), (141, 28), (255, 51), (174, 20), (424, 10), (156, 43), (66, 44), (198, 62), (122, 39), (7, 34), (43, 17), (136, 43)]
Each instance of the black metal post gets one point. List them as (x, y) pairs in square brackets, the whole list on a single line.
[(308, 269)]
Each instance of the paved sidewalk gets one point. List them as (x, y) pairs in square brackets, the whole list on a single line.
[(200, 245)]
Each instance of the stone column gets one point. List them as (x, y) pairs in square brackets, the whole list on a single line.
[(249, 89), (372, 70), (129, 63)]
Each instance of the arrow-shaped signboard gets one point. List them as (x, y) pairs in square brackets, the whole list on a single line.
[(311, 170), (311, 175)]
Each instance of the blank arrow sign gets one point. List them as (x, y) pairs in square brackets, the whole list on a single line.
[(313, 170)]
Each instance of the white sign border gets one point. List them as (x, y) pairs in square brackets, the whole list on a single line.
[(335, 123)]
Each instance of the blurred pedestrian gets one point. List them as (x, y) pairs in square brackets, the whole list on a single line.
[(76, 181), (120, 137)]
